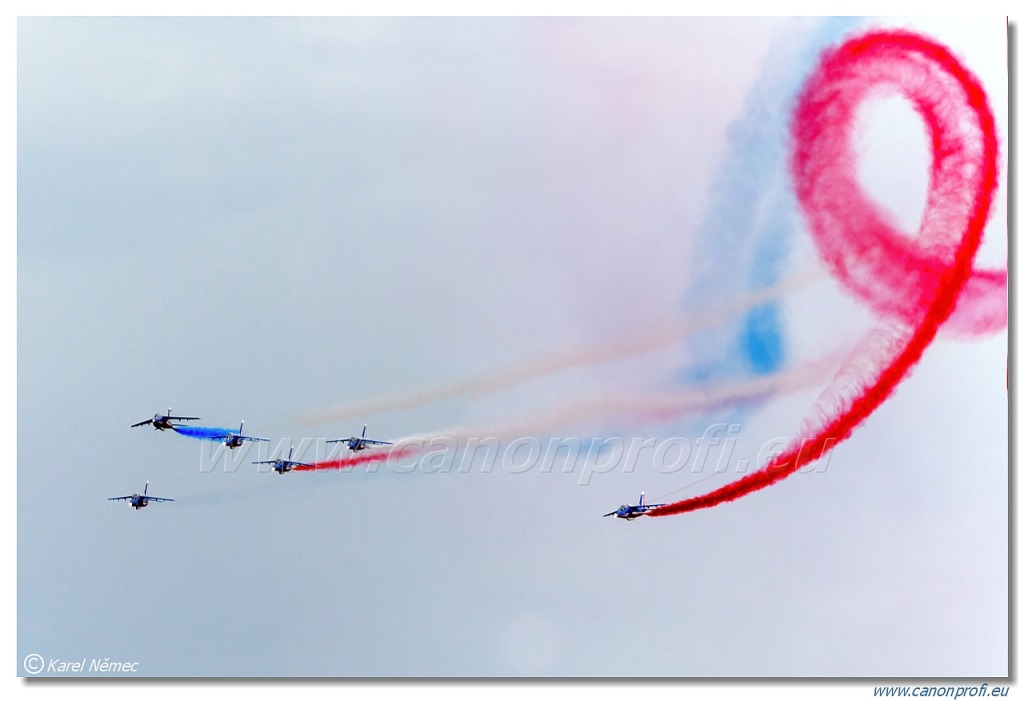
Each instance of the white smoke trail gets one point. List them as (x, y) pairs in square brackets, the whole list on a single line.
[(623, 410), (656, 336)]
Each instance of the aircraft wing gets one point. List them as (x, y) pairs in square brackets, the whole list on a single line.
[(343, 440), (182, 418), (612, 513), (142, 423), (120, 498), (252, 438), (373, 442), (158, 499)]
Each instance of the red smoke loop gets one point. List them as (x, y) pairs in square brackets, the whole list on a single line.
[(917, 283)]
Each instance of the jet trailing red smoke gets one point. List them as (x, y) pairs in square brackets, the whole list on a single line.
[(915, 285)]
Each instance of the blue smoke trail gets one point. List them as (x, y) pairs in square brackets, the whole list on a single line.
[(203, 433), (745, 237)]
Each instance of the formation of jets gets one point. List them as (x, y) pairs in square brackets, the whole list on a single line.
[(234, 439)]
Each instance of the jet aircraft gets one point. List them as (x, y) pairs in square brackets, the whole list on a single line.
[(282, 465), (355, 443), (233, 440), (630, 512), (162, 422), (139, 501)]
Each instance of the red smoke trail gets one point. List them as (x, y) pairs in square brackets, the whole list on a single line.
[(359, 459), (917, 283)]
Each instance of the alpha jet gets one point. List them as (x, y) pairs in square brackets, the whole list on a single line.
[(356, 443), (162, 422), (630, 511), (282, 465), (233, 440), (139, 501)]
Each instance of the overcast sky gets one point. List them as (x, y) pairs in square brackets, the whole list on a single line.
[(268, 219)]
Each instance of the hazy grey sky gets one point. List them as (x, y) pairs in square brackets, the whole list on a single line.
[(260, 218)]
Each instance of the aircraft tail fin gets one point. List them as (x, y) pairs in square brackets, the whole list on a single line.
[(364, 430), (641, 499), (146, 490)]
